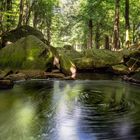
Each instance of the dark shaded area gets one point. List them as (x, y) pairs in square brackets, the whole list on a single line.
[(16, 34)]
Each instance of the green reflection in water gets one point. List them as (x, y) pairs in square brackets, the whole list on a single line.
[(55, 110)]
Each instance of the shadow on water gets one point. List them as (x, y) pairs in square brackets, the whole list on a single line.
[(70, 110)]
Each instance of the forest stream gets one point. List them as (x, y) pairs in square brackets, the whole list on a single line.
[(82, 109)]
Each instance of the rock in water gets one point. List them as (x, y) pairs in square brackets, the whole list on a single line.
[(6, 84)]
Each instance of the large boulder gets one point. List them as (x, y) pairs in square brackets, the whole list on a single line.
[(27, 53), (30, 53), (16, 34), (96, 59), (120, 69)]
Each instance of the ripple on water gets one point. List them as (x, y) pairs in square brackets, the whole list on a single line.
[(72, 110)]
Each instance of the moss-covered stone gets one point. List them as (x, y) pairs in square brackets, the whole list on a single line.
[(120, 69), (66, 65), (31, 53), (26, 53), (95, 58)]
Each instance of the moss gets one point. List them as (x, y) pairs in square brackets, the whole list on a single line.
[(120, 69), (66, 64), (25, 54)]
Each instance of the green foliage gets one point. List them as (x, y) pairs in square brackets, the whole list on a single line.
[(66, 22)]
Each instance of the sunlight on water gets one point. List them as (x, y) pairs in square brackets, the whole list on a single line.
[(70, 110)]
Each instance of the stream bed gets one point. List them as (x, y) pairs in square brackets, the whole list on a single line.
[(70, 110)]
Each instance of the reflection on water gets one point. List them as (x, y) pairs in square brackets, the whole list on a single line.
[(70, 110)]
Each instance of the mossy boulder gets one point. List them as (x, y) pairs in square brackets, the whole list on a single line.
[(95, 58), (27, 53), (120, 69), (31, 53), (16, 34), (66, 65)]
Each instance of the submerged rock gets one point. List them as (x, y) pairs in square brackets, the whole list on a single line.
[(135, 78), (6, 84)]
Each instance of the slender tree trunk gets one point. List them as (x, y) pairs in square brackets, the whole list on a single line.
[(20, 13), (90, 26), (116, 42), (35, 19), (49, 33), (28, 15), (133, 32), (2, 6), (8, 9), (97, 37), (106, 45), (127, 25)]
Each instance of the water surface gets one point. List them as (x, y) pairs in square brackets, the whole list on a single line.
[(70, 110)]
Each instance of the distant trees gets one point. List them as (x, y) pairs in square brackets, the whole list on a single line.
[(91, 23), (116, 39), (127, 24)]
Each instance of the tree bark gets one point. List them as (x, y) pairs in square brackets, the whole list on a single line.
[(106, 46), (8, 9), (97, 37), (21, 13), (116, 42), (127, 25), (49, 33), (90, 27)]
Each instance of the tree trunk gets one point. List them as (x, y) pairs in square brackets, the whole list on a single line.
[(28, 14), (97, 37), (116, 42), (35, 19), (8, 9), (49, 33), (133, 32), (21, 13), (89, 41), (106, 45), (2, 8), (127, 25)]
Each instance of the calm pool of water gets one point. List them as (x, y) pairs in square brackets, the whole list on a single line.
[(70, 110)]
